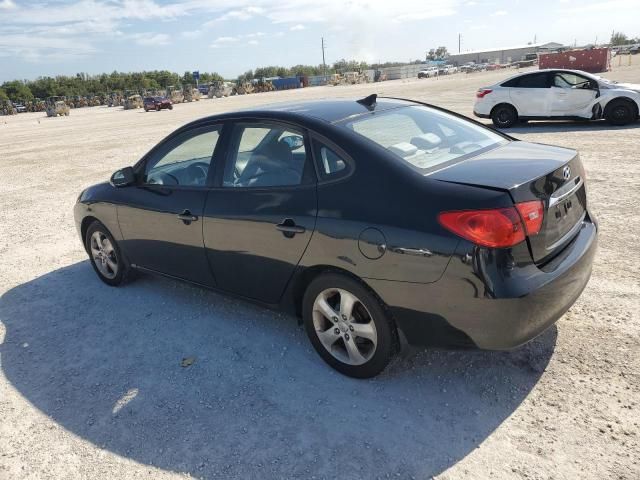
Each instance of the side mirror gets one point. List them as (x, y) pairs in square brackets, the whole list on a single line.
[(123, 177)]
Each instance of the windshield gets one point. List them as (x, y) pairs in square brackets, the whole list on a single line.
[(423, 137)]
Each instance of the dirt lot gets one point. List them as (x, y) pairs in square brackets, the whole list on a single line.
[(91, 384)]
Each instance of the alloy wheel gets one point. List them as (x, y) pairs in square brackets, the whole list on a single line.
[(344, 326), (104, 255)]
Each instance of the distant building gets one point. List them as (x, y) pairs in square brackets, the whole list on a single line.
[(503, 55)]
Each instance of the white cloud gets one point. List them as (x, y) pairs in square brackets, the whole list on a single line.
[(225, 40), (245, 13), (253, 42), (151, 39), (253, 35), (7, 5), (299, 26), (192, 33), (499, 13)]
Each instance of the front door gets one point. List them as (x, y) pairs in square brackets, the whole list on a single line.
[(260, 218), (572, 95), (162, 221)]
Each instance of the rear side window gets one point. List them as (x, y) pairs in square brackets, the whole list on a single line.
[(534, 80), (330, 163), (425, 138)]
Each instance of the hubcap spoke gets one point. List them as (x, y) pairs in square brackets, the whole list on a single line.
[(346, 304), (364, 330), (112, 265), (354, 354), (325, 309), (328, 338)]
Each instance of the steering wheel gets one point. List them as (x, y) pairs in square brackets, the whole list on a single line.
[(197, 173), (161, 178)]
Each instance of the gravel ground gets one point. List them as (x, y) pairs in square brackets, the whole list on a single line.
[(91, 382)]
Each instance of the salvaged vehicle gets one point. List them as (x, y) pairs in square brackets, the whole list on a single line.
[(262, 85), (175, 94), (558, 94), (221, 89), (133, 102), (114, 100), (244, 88), (7, 108), (20, 108), (441, 232), (57, 106), (428, 72), (157, 103), (191, 94)]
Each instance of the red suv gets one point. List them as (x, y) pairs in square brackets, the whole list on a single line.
[(156, 103)]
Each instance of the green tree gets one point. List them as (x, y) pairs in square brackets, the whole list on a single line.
[(618, 38), (3, 96), (17, 91)]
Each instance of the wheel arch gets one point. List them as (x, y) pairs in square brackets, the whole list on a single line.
[(84, 226)]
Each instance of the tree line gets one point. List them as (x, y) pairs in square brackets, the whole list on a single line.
[(83, 84)]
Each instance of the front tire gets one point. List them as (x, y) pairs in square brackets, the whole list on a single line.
[(504, 116), (348, 326), (620, 112), (105, 255)]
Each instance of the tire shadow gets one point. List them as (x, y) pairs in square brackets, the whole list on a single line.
[(257, 402)]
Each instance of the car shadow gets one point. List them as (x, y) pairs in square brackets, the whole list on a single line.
[(190, 381), (566, 126)]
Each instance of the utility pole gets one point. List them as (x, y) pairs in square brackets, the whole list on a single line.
[(459, 41), (535, 38), (324, 65)]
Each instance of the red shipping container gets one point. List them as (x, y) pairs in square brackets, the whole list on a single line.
[(593, 60)]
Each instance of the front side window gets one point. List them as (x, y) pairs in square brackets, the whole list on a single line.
[(184, 164), (570, 80), (265, 156), (425, 138)]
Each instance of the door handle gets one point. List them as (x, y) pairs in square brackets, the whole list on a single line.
[(186, 217), (289, 228)]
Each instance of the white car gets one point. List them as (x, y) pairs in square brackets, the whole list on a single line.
[(428, 72), (557, 94)]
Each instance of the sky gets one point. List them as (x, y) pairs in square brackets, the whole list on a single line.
[(53, 37)]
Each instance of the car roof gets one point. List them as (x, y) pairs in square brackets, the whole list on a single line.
[(333, 110)]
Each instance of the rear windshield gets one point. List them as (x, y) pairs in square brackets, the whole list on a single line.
[(423, 137)]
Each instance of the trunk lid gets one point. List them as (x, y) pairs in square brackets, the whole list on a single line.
[(530, 171)]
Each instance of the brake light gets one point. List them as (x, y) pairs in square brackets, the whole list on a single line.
[(532, 214), (482, 92), (496, 228)]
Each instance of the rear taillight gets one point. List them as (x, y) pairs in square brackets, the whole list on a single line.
[(482, 92), (532, 214), (495, 228)]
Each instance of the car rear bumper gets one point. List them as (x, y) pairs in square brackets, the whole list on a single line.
[(480, 302)]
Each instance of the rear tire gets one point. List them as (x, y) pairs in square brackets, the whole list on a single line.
[(105, 255), (365, 338), (504, 116), (620, 112)]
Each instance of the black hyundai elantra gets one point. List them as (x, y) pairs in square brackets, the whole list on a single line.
[(377, 221)]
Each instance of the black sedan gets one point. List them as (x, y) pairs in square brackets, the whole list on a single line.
[(156, 103), (378, 222)]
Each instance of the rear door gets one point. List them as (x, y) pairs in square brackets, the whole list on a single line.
[(572, 95), (259, 219), (161, 221), (530, 94)]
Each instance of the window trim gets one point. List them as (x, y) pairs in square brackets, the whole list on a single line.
[(232, 144), (323, 178), (172, 142), (529, 74)]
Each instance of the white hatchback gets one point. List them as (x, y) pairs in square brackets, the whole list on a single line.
[(557, 94)]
